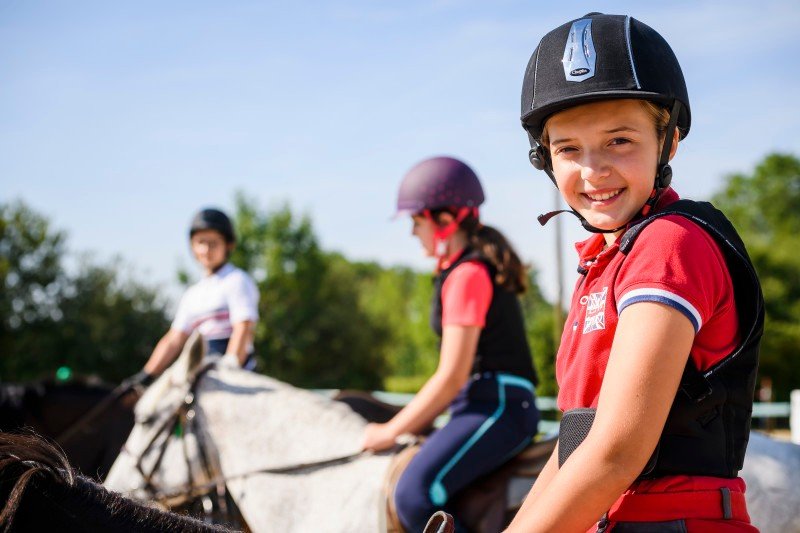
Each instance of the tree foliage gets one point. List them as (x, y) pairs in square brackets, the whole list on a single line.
[(543, 326), (325, 322), (93, 320), (765, 208), (313, 330), (400, 298)]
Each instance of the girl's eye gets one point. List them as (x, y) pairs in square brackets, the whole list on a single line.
[(620, 140), (564, 149)]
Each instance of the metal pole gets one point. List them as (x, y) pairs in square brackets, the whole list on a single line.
[(794, 416)]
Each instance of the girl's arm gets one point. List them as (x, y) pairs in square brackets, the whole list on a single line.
[(650, 350), (459, 344), (165, 351), (240, 340)]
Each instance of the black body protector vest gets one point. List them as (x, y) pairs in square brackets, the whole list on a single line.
[(502, 345), (708, 425)]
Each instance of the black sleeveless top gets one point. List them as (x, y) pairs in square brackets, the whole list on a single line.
[(503, 344)]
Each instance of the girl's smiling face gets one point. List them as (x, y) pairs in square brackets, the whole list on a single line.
[(604, 158)]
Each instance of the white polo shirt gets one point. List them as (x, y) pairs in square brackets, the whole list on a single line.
[(212, 305)]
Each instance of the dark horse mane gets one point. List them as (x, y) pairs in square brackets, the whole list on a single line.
[(42, 493)]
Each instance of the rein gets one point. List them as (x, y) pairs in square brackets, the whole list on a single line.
[(193, 490), (178, 417)]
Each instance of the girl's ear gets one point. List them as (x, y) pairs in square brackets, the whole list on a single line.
[(445, 218), (674, 149)]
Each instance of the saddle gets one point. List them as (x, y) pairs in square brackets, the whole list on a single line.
[(489, 503)]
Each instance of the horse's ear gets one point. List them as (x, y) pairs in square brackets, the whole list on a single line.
[(197, 349)]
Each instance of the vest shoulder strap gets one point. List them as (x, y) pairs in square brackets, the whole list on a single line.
[(748, 296)]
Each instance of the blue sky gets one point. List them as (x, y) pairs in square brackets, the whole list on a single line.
[(118, 120)]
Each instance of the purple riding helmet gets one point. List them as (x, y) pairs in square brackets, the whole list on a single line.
[(439, 183)]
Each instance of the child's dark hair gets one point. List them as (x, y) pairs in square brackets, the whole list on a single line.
[(510, 272)]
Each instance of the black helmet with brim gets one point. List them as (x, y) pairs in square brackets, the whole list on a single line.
[(601, 57), (213, 219)]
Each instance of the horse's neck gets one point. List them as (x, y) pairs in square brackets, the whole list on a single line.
[(251, 415), (178, 376)]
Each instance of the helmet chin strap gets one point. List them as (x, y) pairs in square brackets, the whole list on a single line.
[(544, 218), (442, 235), (539, 159)]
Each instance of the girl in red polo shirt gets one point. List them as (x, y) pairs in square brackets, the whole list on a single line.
[(485, 374), (658, 356)]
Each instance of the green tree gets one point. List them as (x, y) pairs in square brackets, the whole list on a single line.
[(312, 330), (765, 208), (543, 335), (400, 298), (90, 321), (109, 323)]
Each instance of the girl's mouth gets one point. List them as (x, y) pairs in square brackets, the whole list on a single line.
[(601, 197)]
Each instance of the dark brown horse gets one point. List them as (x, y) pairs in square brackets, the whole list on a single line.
[(42, 493), (89, 420)]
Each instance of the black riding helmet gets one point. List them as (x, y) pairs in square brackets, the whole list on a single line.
[(602, 57), (213, 219)]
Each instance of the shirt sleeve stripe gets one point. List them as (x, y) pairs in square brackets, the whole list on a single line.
[(663, 297)]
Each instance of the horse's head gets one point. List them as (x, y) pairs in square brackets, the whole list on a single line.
[(174, 382), (163, 449)]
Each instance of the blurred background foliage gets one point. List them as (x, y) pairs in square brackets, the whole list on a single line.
[(326, 321)]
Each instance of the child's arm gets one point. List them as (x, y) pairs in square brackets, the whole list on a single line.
[(240, 339), (650, 350), (165, 351), (459, 344)]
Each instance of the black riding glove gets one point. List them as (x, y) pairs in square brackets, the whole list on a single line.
[(140, 378)]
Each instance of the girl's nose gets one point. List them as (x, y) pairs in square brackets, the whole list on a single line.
[(594, 166)]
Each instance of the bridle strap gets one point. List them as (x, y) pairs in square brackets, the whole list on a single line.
[(198, 490), (168, 426)]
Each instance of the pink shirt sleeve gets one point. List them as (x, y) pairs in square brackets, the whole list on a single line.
[(466, 295)]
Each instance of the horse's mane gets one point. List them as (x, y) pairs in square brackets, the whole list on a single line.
[(40, 489)]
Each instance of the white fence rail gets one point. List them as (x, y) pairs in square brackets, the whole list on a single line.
[(761, 410)]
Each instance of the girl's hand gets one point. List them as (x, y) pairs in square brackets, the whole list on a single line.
[(377, 437)]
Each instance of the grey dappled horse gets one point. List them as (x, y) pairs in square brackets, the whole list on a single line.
[(242, 428)]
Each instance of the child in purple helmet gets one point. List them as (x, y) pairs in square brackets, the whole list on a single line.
[(485, 374), (223, 306), (657, 362)]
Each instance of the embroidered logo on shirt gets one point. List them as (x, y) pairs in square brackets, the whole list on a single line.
[(595, 310)]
